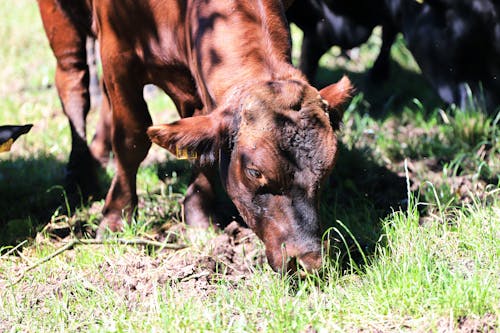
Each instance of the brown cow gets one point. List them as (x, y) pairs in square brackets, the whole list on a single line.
[(226, 65)]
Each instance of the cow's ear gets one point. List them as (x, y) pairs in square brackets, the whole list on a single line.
[(196, 137), (336, 96)]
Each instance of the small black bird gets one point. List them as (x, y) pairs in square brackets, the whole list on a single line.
[(10, 133)]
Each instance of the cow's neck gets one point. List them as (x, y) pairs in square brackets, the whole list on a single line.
[(235, 42)]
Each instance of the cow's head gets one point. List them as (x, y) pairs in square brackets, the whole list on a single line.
[(275, 143)]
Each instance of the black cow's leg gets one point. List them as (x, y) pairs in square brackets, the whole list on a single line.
[(381, 68), (312, 50), (206, 202)]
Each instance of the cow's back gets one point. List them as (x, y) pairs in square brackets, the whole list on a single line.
[(151, 31)]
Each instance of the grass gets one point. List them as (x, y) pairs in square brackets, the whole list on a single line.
[(413, 207), (420, 276)]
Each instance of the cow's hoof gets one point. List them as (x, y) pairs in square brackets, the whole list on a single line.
[(80, 188), (82, 181), (112, 222)]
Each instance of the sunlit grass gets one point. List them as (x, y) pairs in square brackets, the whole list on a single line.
[(26, 50), (404, 263)]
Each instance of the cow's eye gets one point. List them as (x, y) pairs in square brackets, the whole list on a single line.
[(254, 173)]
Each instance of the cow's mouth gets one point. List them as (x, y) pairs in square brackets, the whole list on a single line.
[(302, 265)]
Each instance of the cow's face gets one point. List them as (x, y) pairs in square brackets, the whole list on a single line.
[(274, 148)]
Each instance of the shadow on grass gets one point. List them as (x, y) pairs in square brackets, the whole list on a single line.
[(176, 173), (386, 96), (360, 194), (31, 191)]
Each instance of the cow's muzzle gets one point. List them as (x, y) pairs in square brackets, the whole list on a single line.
[(290, 261)]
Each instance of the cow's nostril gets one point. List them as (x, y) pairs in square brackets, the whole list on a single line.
[(289, 261), (310, 262)]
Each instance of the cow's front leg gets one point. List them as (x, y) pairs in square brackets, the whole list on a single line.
[(130, 143), (312, 50)]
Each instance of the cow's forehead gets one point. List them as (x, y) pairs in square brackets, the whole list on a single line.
[(295, 131), (274, 103)]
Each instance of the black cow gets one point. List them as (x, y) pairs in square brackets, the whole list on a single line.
[(456, 43), (343, 23)]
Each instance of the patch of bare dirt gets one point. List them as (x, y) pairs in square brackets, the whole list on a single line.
[(470, 324), (465, 187), (231, 256)]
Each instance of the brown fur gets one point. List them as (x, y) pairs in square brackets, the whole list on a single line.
[(246, 111)]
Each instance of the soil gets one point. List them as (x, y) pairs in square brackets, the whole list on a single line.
[(484, 324), (232, 255)]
